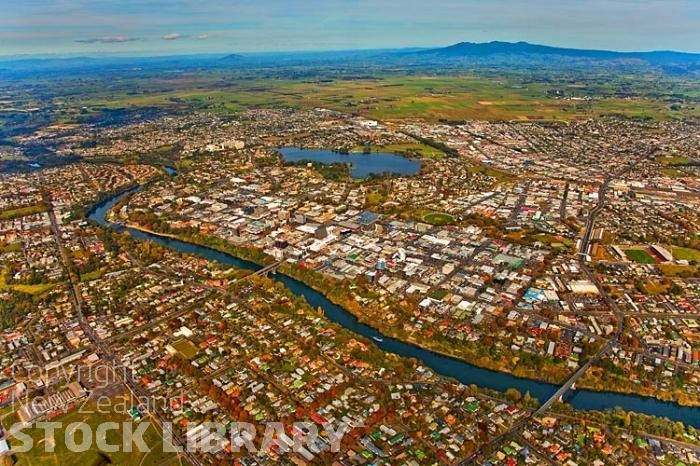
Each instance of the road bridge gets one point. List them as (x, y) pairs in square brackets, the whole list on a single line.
[(559, 394), (264, 271)]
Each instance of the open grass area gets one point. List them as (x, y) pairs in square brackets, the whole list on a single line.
[(639, 255), (94, 275), (11, 247), (10, 214), (498, 175), (550, 240), (438, 219), (391, 97), (37, 289), (532, 236), (8, 416), (653, 288), (439, 294), (64, 456), (186, 348), (687, 254), (675, 270), (671, 160), (672, 172)]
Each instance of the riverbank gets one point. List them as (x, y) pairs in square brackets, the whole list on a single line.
[(137, 227), (258, 258), (648, 391), (223, 252)]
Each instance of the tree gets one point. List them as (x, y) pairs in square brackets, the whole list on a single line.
[(513, 395), (627, 419)]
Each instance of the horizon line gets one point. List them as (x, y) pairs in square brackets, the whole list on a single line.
[(154, 54)]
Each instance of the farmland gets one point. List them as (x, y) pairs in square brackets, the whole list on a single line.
[(383, 97)]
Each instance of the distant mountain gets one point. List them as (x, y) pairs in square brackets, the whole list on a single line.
[(525, 49), (233, 57), (357, 64)]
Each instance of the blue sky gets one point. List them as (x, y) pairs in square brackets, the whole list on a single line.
[(130, 27)]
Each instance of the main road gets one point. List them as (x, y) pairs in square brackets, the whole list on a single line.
[(441, 364), (583, 252), (444, 365), (103, 348)]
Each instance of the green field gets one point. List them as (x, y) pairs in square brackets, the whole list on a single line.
[(37, 289), (10, 214), (390, 97), (687, 254), (654, 288), (675, 270), (12, 247), (498, 175), (64, 456), (438, 219), (639, 255), (186, 348), (94, 275), (672, 172), (439, 294), (672, 160)]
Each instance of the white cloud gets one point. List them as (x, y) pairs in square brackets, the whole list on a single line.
[(107, 40), (173, 36)]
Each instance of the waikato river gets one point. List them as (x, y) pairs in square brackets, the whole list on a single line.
[(462, 371)]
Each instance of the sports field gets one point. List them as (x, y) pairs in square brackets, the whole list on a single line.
[(687, 254), (640, 256), (438, 219)]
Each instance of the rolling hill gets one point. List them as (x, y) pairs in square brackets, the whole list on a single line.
[(527, 50)]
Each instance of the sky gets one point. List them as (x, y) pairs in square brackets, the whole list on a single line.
[(165, 27)]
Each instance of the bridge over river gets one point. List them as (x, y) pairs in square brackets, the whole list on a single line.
[(441, 364)]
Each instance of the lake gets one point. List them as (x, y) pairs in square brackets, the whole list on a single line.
[(361, 165)]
